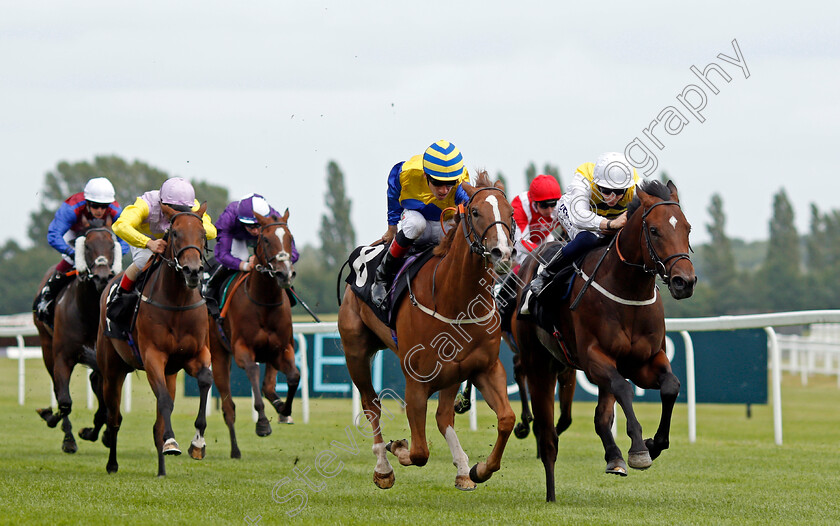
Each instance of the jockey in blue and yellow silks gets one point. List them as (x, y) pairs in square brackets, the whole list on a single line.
[(594, 206), (419, 190)]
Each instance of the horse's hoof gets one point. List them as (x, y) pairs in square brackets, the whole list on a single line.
[(462, 404), (385, 481), (69, 445), (263, 428), (170, 447), (285, 419), (45, 413), (394, 445), (87, 433), (197, 453), (234, 453), (654, 449), (521, 429), (617, 467), (464, 483), (475, 477), (639, 459), (111, 468)]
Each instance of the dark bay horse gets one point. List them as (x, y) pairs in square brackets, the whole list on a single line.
[(170, 333), (616, 333), (72, 338), (257, 324), (440, 348)]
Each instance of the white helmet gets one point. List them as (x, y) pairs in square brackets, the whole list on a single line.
[(99, 190), (613, 171)]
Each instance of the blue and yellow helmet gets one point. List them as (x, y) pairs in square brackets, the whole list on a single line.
[(442, 161)]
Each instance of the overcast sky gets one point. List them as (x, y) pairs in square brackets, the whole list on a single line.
[(258, 96)]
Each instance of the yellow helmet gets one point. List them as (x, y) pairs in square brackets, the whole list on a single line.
[(442, 161)]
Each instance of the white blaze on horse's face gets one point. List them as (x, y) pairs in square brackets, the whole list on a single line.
[(279, 232), (501, 238), (673, 222)]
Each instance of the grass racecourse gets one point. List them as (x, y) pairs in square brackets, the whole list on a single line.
[(733, 474)]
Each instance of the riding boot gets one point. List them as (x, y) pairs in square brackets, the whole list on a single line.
[(387, 269), (385, 273), (119, 311), (44, 305), (545, 276)]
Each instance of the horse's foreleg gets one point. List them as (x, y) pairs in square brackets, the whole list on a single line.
[(604, 415), (567, 380), (244, 359), (197, 447), (285, 363), (658, 375), (522, 429), (164, 437), (445, 417), (92, 433), (493, 386), (638, 457), (112, 393)]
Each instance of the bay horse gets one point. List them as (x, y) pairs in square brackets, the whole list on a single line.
[(438, 349), (170, 333), (72, 338), (616, 332), (257, 325)]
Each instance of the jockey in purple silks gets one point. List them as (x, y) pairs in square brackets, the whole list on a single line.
[(70, 221), (238, 230)]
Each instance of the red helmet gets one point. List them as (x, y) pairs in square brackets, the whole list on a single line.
[(544, 188)]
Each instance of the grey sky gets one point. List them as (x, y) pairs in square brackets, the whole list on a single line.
[(260, 95)]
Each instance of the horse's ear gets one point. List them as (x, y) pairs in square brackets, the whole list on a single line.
[(500, 185), (108, 220), (202, 209), (673, 188), (167, 210), (262, 220), (85, 222), (470, 189), (645, 198), (285, 217)]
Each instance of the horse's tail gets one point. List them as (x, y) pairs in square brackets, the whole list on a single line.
[(338, 281)]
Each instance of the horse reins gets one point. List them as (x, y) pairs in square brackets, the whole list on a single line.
[(659, 263)]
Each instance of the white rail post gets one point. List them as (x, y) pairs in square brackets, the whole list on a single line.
[(127, 394), (304, 376), (473, 413), (357, 404), (21, 371), (690, 387), (775, 362), (89, 390)]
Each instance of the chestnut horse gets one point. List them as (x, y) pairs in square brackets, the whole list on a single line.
[(72, 338), (257, 323), (170, 334), (616, 333), (438, 349)]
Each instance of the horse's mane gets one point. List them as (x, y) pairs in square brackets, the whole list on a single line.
[(651, 187), (482, 180)]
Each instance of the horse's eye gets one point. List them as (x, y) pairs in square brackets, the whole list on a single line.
[(474, 212), (654, 231)]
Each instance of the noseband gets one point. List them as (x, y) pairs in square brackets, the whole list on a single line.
[(659, 264), (476, 242), (280, 257), (175, 262)]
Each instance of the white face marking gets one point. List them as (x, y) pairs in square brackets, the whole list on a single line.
[(500, 234), (673, 222), (279, 233)]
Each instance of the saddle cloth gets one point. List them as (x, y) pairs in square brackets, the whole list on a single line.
[(363, 262)]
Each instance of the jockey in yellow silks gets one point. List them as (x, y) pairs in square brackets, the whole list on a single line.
[(419, 190), (594, 206)]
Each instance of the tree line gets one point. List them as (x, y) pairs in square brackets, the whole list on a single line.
[(787, 272)]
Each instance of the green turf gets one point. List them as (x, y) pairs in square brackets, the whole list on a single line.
[(733, 474)]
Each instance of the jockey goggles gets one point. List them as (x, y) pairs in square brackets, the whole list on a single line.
[(551, 203), (96, 205), (438, 183), (607, 191)]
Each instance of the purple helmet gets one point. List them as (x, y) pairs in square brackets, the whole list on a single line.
[(248, 205), (177, 191)]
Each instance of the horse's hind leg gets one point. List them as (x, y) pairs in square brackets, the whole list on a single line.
[(541, 381), (567, 381), (221, 377), (63, 370), (445, 417), (286, 364), (493, 386), (69, 443)]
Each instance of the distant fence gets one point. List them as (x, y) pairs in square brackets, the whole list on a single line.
[(748, 342)]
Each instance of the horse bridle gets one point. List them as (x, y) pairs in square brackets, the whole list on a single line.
[(659, 264), (477, 243), (280, 257), (100, 260), (174, 262)]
